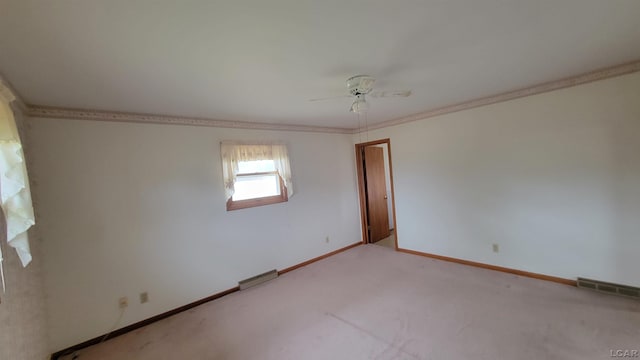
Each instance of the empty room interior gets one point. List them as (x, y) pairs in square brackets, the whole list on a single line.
[(320, 179)]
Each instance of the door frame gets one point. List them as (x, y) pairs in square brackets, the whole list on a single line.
[(362, 195)]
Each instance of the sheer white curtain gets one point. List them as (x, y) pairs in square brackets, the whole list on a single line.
[(281, 160), (15, 195), (233, 152)]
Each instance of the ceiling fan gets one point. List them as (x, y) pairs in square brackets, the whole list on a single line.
[(361, 85)]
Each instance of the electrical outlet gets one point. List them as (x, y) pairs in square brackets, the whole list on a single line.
[(123, 302), (144, 297), (327, 240), (496, 248)]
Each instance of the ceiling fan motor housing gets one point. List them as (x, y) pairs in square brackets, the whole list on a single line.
[(360, 84)]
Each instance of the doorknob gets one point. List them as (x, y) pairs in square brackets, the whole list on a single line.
[(385, 196)]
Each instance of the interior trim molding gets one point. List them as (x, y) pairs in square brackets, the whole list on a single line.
[(38, 111), (493, 267), (139, 324), (297, 266), (362, 196), (599, 74)]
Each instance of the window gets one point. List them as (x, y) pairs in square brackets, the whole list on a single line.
[(255, 174)]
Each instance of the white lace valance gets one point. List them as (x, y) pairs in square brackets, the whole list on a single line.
[(233, 152)]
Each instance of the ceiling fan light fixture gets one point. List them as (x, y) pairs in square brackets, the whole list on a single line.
[(359, 106), (360, 84)]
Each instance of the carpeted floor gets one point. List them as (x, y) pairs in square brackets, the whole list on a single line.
[(371, 302)]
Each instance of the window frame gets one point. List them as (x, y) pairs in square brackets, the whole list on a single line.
[(260, 201)]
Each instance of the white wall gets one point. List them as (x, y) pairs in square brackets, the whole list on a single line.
[(126, 208), (554, 179)]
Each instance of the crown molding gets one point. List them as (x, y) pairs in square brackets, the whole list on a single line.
[(600, 74), (38, 111)]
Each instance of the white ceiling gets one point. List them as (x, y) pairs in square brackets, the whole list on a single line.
[(261, 61)]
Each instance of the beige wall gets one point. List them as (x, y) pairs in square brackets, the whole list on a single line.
[(126, 208), (22, 311), (554, 179)]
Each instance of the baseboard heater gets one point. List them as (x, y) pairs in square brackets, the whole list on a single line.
[(609, 288), (258, 279)]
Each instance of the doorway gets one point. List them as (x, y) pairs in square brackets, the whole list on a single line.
[(375, 188)]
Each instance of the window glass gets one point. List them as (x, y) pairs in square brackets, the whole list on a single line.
[(256, 186), (256, 166)]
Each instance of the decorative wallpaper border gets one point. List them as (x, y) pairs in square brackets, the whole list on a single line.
[(99, 115), (592, 76)]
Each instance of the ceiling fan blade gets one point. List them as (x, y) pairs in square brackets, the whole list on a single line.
[(390, 94), (331, 98)]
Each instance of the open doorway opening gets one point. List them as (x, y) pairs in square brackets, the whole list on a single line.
[(375, 187)]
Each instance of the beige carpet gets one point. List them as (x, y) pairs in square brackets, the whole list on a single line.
[(374, 303)]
